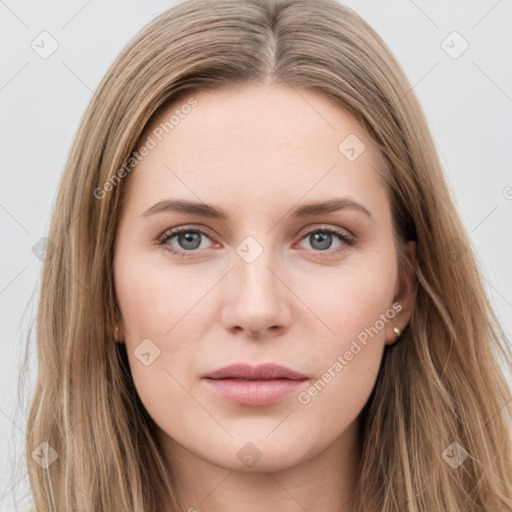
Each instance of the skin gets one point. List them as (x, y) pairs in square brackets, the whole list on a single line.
[(258, 152)]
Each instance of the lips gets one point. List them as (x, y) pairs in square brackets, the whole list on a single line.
[(261, 372), (258, 386)]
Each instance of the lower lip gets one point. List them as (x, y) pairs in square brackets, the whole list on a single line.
[(254, 392)]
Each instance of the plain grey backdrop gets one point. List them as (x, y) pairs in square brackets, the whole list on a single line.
[(457, 55)]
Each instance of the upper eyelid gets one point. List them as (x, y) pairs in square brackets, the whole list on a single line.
[(171, 232), (326, 227)]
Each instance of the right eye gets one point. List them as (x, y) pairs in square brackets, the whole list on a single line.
[(189, 240)]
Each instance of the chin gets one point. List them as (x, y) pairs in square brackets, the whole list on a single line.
[(258, 455)]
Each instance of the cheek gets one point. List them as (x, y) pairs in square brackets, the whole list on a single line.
[(153, 296), (349, 299), (161, 327), (357, 308)]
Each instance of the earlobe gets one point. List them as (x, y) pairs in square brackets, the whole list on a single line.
[(118, 335), (406, 297)]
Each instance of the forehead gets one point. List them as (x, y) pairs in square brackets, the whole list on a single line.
[(256, 143)]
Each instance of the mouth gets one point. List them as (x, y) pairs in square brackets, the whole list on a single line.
[(254, 386)]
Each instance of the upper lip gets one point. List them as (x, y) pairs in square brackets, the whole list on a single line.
[(260, 372)]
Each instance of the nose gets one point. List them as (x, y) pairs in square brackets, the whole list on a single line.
[(256, 299)]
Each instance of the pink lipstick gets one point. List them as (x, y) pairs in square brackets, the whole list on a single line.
[(255, 386)]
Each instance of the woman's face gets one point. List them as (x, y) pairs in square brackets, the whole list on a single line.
[(313, 289)]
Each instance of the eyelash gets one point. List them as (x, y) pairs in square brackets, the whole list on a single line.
[(348, 241)]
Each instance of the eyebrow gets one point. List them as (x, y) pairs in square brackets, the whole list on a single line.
[(214, 212)]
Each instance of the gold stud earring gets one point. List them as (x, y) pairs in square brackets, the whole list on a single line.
[(117, 339), (397, 331)]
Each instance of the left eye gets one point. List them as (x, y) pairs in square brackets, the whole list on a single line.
[(322, 239), (189, 240)]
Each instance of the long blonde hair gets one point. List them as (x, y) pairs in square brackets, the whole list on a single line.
[(442, 383)]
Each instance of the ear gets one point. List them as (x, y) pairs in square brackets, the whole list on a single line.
[(404, 299)]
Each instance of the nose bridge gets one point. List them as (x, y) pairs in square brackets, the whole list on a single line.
[(253, 263), (256, 298)]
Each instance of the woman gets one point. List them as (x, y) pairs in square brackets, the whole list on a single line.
[(261, 295)]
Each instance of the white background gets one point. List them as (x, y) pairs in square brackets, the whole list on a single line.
[(467, 102)]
